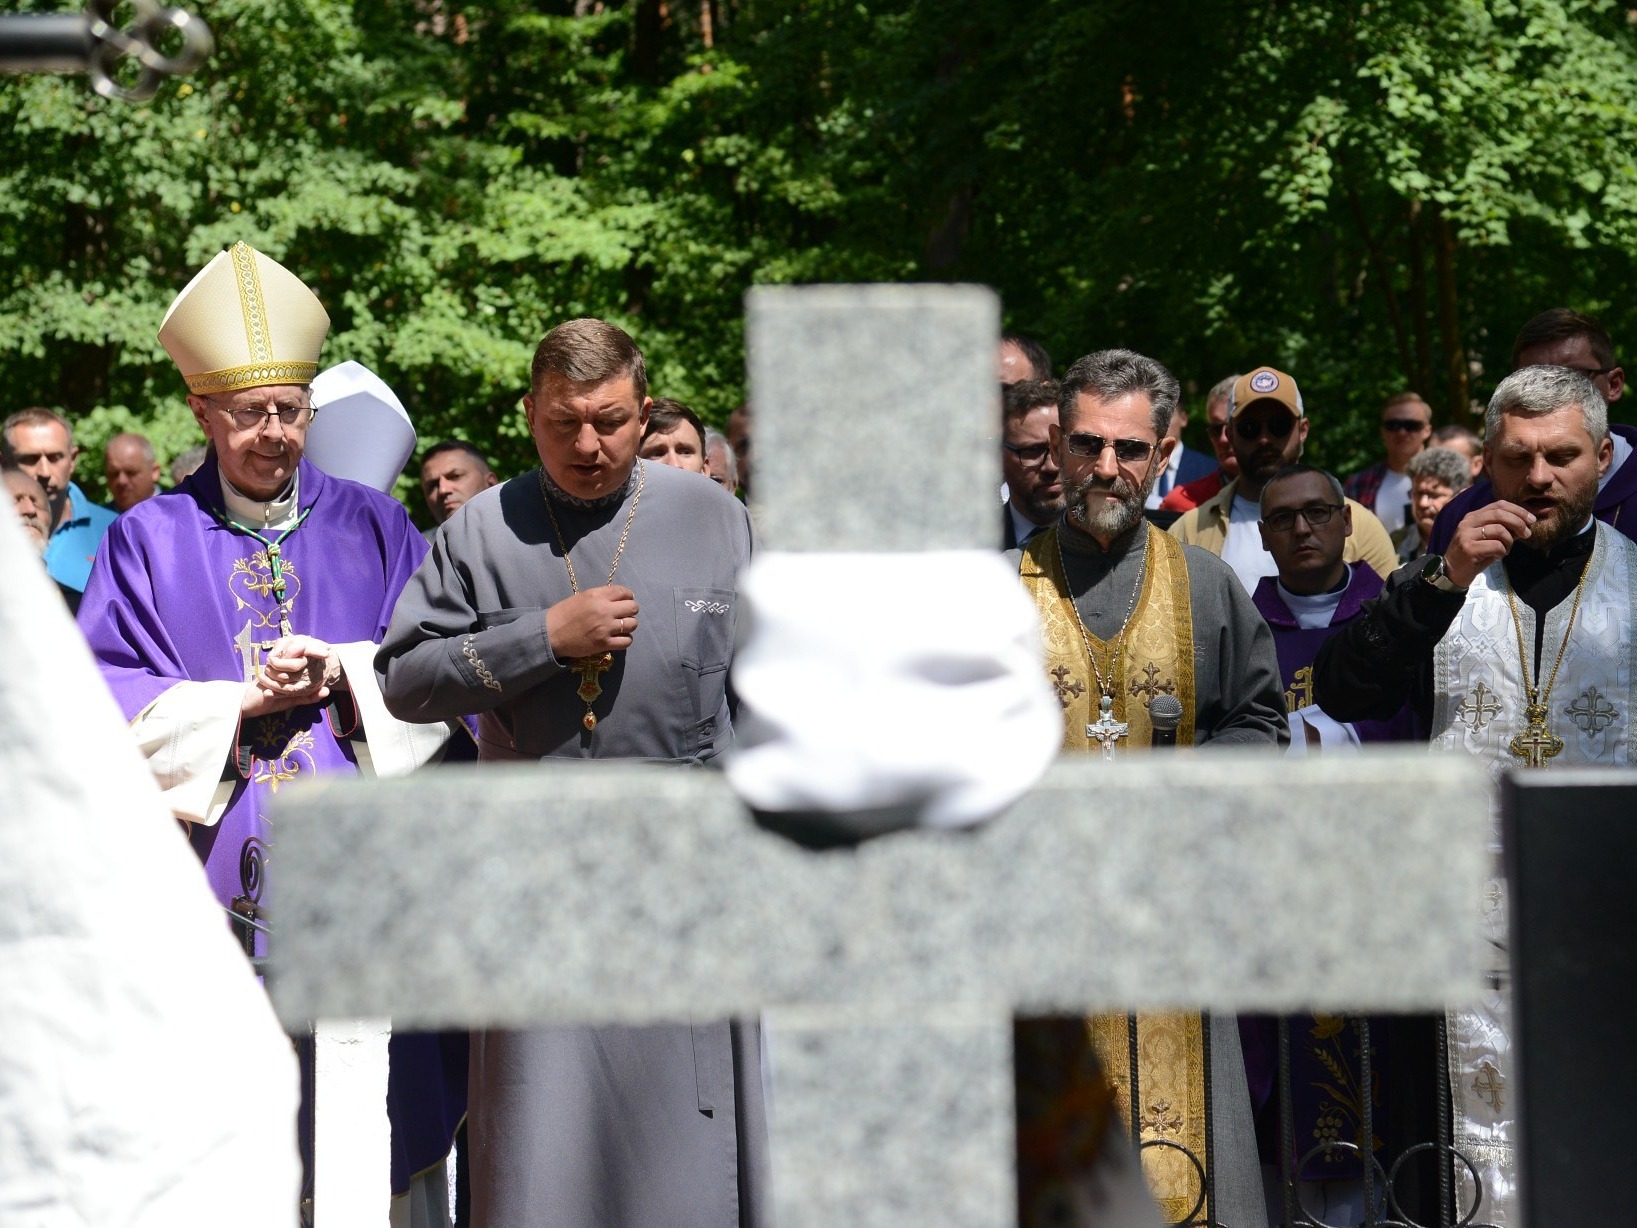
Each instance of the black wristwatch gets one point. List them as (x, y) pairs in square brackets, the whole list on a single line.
[(1435, 574)]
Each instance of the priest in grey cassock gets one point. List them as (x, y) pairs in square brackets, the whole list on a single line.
[(1128, 614), (235, 618), (585, 611), (1515, 645)]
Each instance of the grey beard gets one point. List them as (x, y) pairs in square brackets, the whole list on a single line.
[(1112, 519), (608, 500)]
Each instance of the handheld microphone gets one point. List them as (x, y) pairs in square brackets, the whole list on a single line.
[(1164, 715)]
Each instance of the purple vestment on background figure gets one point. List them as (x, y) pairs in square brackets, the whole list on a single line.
[(1297, 647), (176, 596)]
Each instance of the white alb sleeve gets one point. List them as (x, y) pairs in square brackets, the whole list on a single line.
[(187, 737)]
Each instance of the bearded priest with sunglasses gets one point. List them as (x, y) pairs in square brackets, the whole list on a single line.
[(1267, 429), (1129, 614), (235, 620)]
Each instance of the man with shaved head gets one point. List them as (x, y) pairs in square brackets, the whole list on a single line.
[(131, 470)]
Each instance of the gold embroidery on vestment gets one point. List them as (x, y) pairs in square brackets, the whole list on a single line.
[(1158, 659), (1159, 643)]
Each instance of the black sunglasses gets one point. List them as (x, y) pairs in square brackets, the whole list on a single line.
[(1126, 451), (1273, 428), (1403, 424)]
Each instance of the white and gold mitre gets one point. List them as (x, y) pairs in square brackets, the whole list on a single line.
[(243, 321)]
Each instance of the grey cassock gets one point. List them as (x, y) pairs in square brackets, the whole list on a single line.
[(651, 1127)]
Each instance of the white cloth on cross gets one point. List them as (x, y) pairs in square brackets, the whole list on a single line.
[(905, 683)]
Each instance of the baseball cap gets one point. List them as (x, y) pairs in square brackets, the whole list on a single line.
[(1265, 384)]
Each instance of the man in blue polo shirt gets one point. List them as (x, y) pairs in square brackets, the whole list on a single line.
[(41, 443)]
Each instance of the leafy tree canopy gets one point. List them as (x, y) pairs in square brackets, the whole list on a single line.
[(1372, 196)]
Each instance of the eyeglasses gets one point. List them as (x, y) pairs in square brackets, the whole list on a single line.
[(1592, 372), (1403, 424), (254, 419), (1273, 428), (1316, 514), (1028, 453), (1126, 451)]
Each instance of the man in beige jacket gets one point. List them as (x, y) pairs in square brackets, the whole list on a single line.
[(1267, 428)]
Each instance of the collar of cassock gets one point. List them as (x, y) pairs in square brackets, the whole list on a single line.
[(613, 499), (1076, 540), (1542, 581), (261, 514)]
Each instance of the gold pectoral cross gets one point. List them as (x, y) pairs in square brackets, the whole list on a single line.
[(590, 686), (1536, 744)]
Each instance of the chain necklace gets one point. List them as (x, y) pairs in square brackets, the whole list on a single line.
[(1105, 730), (589, 667), (1537, 743), (275, 560)]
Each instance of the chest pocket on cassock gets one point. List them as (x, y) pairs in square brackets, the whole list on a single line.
[(705, 619)]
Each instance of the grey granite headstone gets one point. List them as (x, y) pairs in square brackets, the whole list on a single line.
[(877, 416)]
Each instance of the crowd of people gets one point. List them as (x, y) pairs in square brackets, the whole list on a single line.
[(262, 622)]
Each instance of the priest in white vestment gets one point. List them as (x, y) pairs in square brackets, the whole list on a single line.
[(1516, 646)]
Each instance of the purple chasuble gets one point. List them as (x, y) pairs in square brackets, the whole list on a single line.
[(177, 596), (1297, 647), (1325, 1065)]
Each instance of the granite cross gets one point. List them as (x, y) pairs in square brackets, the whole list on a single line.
[(890, 974)]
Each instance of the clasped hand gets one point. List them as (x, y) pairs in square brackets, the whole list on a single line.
[(298, 669)]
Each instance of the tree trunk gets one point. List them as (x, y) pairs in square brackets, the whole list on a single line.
[(1420, 318), (84, 367), (1384, 275), (649, 28), (1459, 398)]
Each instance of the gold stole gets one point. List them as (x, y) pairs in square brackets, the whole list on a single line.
[(1158, 656)]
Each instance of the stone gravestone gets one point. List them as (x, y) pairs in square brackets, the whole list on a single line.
[(528, 895)]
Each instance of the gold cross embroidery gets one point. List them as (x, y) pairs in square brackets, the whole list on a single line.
[(1300, 693), (1067, 690), (1490, 1085), (1150, 685)]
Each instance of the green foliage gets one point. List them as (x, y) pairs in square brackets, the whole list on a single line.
[(1371, 196)]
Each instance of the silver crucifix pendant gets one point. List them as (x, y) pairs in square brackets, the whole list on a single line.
[(1105, 731)]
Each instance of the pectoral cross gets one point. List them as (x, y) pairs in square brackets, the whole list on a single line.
[(1105, 731), (1536, 744), (590, 686)]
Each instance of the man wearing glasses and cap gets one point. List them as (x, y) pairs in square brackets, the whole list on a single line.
[(1267, 425), (235, 618)]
